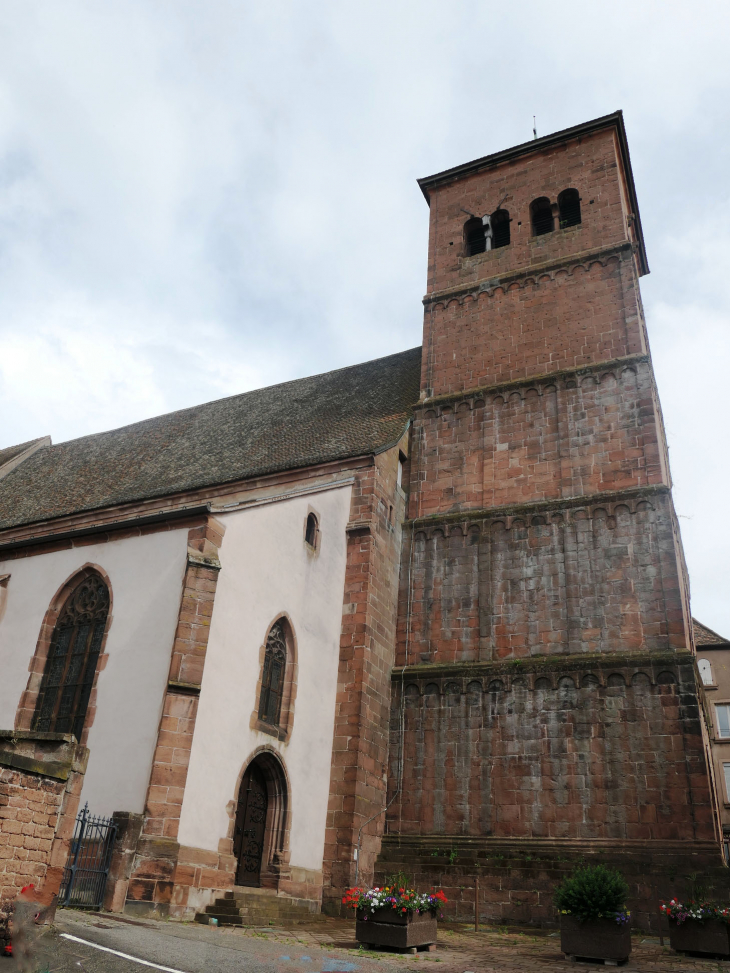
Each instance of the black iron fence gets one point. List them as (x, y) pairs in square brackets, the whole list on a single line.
[(84, 877)]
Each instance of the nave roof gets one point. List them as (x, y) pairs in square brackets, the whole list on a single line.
[(323, 418)]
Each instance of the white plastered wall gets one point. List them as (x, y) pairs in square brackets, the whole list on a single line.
[(145, 575), (267, 571)]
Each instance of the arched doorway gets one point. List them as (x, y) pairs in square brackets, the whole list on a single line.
[(261, 822)]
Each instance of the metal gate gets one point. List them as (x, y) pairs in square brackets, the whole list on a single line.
[(84, 877)]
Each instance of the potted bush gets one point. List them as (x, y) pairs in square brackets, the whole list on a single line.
[(395, 916), (594, 920), (698, 927)]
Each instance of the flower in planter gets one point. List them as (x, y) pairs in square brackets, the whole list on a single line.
[(398, 898), (700, 911), (594, 892)]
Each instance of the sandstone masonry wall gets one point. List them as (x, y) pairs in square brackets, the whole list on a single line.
[(360, 746), (566, 316), (149, 887), (41, 775), (570, 434), (591, 165), (583, 748), (547, 691), (546, 579)]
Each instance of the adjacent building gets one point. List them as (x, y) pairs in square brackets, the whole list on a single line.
[(713, 664)]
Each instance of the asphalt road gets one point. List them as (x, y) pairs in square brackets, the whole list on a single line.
[(73, 945)]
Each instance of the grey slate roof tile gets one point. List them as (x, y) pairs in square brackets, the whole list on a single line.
[(349, 412)]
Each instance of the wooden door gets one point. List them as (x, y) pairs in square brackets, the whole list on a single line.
[(248, 841)]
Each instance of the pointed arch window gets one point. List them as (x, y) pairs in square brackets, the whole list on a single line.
[(68, 677), (272, 682)]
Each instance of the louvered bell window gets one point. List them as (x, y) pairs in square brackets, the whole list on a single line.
[(569, 206), (68, 677), (474, 238), (272, 682), (500, 228), (542, 216)]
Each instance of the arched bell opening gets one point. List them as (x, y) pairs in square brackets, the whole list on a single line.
[(261, 829)]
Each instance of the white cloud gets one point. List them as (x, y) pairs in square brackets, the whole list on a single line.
[(199, 199)]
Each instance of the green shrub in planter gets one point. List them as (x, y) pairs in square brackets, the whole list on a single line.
[(594, 920), (594, 892)]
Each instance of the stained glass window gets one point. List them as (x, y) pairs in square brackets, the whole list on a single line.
[(272, 683), (68, 677)]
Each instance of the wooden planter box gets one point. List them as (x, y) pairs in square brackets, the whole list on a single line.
[(595, 939), (693, 936), (386, 927)]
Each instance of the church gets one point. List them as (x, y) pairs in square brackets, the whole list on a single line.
[(429, 613)]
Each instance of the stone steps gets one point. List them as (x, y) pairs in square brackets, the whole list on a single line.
[(255, 907)]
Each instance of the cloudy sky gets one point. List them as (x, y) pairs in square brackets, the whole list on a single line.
[(200, 198)]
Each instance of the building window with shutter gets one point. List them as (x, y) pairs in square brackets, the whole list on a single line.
[(705, 670), (726, 774), (70, 668), (723, 721)]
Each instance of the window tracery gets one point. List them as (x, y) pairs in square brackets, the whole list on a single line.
[(272, 682), (68, 677)]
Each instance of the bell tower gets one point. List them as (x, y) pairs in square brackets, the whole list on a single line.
[(544, 695)]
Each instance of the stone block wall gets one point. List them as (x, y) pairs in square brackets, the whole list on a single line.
[(585, 576), (41, 776), (547, 691), (154, 864), (591, 748), (566, 435), (360, 745), (517, 879), (563, 317), (129, 827), (592, 165), (198, 877)]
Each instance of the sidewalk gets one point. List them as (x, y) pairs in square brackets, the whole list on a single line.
[(325, 946)]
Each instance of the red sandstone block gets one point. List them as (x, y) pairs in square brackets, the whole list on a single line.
[(199, 856), (171, 827), (153, 827), (141, 890), (184, 875)]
